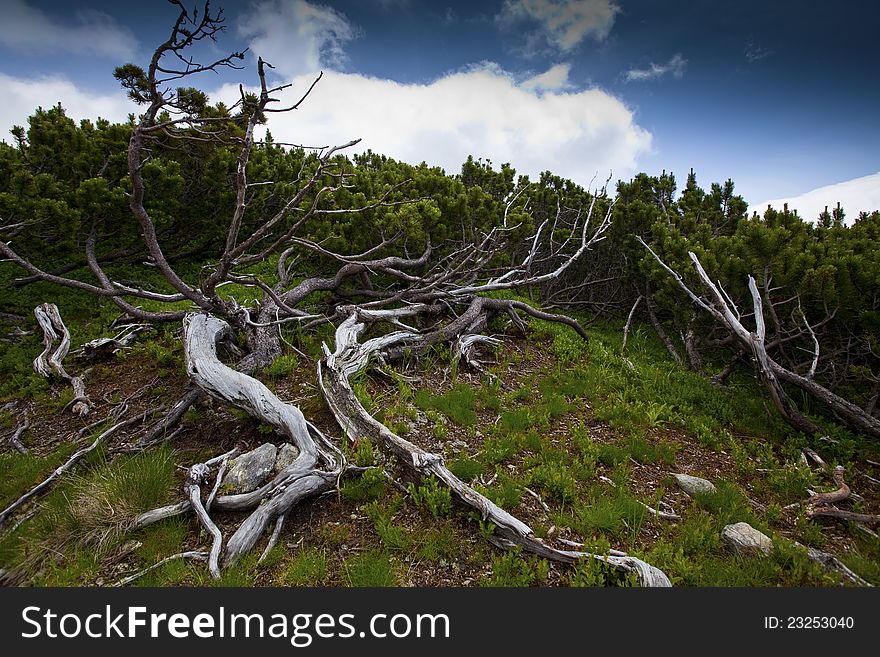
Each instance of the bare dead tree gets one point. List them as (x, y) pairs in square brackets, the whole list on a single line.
[(771, 374)]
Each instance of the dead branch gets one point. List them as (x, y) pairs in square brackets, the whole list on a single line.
[(196, 555), (832, 564), (50, 359), (823, 504), (15, 438), (194, 478), (629, 318), (350, 357), (44, 486), (316, 468), (769, 371)]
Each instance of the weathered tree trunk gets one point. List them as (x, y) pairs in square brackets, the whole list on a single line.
[(263, 340), (315, 470)]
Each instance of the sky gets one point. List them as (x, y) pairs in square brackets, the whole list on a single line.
[(780, 96)]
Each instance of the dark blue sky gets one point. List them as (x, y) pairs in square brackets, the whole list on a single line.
[(782, 97)]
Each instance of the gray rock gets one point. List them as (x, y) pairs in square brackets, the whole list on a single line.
[(693, 485), (744, 540), (286, 455), (250, 469)]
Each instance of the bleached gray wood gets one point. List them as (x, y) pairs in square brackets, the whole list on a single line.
[(315, 470), (50, 359)]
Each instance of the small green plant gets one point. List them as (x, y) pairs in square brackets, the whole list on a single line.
[(597, 573), (361, 452), (307, 567), (507, 493), (281, 366), (556, 480), (465, 469), (496, 450), (512, 569), (808, 532), (369, 486), (657, 415), (487, 529), (370, 569), (433, 496), (457, 404)]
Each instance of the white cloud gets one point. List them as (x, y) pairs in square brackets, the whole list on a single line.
[(28, 29), (857, 195), (297, 37), (21, 97), (481, 111), (552, 80), (563, 23), (675, 66)]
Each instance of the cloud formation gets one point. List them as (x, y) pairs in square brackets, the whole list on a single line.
[(481, 111), (856, 195), (675, 67), (297, 37), (536, 124), (30, 30), (22, 96), (554, 79), (563, 23)]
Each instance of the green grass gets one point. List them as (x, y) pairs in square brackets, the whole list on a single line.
[(465, 469), (370, 569), (458, 404), (728, 504), (306, 567), (513, 569), (612, 513), (86, 517), (282, 366), (22, 472), (517, 420)]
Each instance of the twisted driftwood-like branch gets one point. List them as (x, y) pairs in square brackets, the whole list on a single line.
[(50, 359), (314, 471), (823, 504), (350, 357)]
